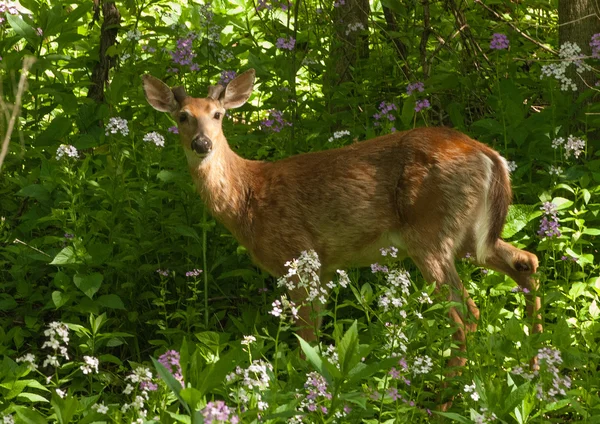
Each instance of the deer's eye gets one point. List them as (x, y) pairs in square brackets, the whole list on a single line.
[(217, 115), (183, 117)]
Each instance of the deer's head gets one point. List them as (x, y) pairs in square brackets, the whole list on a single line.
[(199, 120)]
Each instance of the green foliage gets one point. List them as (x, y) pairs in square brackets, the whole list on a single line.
[(103, 241)]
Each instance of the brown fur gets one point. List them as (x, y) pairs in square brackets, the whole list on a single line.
[(425, 191)]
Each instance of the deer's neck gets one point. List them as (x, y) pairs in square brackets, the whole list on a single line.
[(223, 180)]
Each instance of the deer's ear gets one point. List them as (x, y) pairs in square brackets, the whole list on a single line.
[(238, 90), (160, 96)]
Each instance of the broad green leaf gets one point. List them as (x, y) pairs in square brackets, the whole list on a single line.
[(65, 408), (65, 256), (29, 415), (31, 397), (59, 298), (214, 374), (348, 349), (171, 382), (517, 218), (192, 396), (110, 301), (88, 283), (22, 28), (515, 397)]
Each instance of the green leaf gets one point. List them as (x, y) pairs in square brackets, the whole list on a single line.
[(453, 416), (313, 357), (65, 256), (348, 349), (29, 415), (517, 218), (515, 397), (192, 396), (59, 128), (171, 382), (22, 28), (35, 191), (59, 298), (65, 408), (214, 374), (31, 397), (88, 283), (591, 231), (110, 301)]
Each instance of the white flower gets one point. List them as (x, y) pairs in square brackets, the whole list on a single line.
[(51, 360), (133, 35), (424, 298), (248, 339), (357, 26), (338, 134), (29, 359), (575, 146), (155, 138), (68, 150), (100, 408), (91, 364), (343, 278), (60, 393), (8, 419), (422, 365), (555, 170), (557, 142), (511, 165), (117, 125), (471, 389), (128, 389), (276, 311)]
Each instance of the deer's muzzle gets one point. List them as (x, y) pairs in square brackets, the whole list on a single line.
[(201, 145)]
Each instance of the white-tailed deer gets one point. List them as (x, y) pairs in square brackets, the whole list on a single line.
[(433, 193)]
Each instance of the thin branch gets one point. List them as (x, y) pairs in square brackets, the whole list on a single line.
[(16, 108), (492, 11)]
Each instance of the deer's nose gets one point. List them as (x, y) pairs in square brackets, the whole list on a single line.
[(201, 145)]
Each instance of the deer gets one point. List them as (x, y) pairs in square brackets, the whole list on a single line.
[(433, 193)]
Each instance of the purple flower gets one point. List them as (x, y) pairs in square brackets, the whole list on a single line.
[(148, 386), (170, 360), (183, 54), (422, 104), (69, 235), (163, 272), (595, 44), (173, 129), (218, 411), (417, 86), (499, 42), (338, 3), (549, 223), (284, 44), (277, 122), (378, 268), (226, 77), (393, 394), (193, 273)]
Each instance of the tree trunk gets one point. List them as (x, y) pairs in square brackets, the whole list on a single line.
[(108, 38)]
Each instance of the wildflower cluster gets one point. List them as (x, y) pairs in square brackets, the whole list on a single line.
[(163, 272), (276, 122), (156, 138), (555, 170), (8, 7), (595, 45), (573, 146), (58, 340), (252, 383), (569, 54), (117, 125), (28, 359), (422, 365), (549, 223), (304, 273), (551, 383), (415, 87), (422, 104), (183, 54), (218, 412), (338, 134), (315, 400), (193, 273), (66, 150), (339, 3), (399, 283), (226, 77), (90, 365), (142, 377), (355, 27), (499, 41), (286, 44), (280, 307), (385, 112), (395, 341), (472, 391), (170, 360), (511, 165)]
